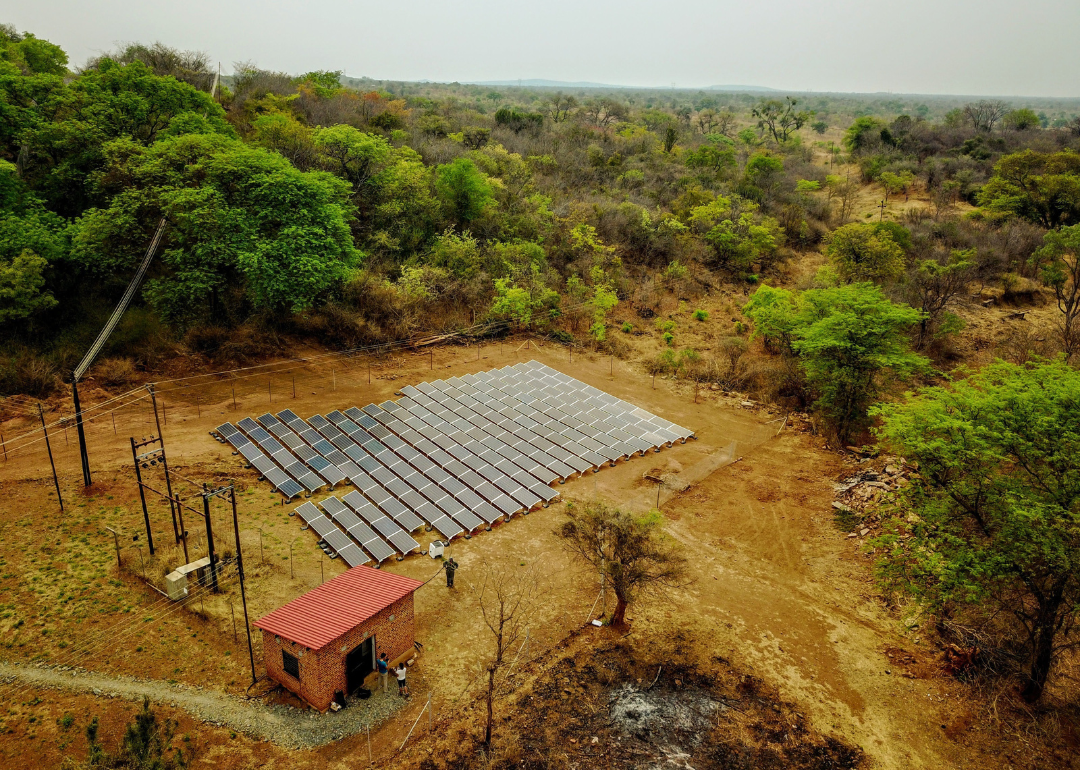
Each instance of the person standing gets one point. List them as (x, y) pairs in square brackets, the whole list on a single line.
[(384, 672), (402, 685), (451, 567)]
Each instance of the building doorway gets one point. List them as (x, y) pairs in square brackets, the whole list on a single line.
[(359, 663)]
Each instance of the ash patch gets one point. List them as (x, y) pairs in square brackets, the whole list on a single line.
[(670, 719)]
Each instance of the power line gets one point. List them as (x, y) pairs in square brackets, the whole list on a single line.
[(114, 638)]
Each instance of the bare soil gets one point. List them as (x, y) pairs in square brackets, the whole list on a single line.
[(779, 593)]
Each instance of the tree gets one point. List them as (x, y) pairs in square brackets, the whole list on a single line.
[(861, 252), (22, 287), (1061, 255), (602, 112), (737, 232), (31, 55), (245, 226), (988, 530), (630, 552), (1021, 120), (191, 67), (518, 121), (847, 340), (351, 154), (671, 135), (819, 126), (864, 133), (1041, 187), (559, 106), (146, 745), (894, 184), (935, 284), (508, 597), (843, 191), (984, 114), (779, 118), (715, 156), (465, 191)]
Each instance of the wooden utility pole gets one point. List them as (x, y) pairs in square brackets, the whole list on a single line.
[(56, 480)]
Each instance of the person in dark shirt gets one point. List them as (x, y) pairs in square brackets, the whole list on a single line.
[(384, 672)]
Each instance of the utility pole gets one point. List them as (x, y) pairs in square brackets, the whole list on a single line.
[(84, 458), (240, 571), (142, 492), (56, 479), (206, 495), (165, 465)]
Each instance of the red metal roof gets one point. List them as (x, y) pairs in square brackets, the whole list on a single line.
[(321, 616)]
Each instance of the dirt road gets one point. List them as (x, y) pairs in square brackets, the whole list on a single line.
[(288, 727)]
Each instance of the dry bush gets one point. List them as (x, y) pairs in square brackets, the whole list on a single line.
[(114, 372), (775, 379), (250, 342), (29, 375), (612, 345), (1023, 343)]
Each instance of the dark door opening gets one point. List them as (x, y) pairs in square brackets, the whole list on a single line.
[(359, 663)]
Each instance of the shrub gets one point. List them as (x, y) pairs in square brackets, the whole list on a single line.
[(115, 371), (701, 315)]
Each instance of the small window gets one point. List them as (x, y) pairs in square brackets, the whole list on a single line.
[(291, 664)]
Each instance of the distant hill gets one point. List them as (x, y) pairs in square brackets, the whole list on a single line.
[(740, 88), (541, 83)]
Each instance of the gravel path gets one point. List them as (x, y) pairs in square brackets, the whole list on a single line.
[(286, 726)]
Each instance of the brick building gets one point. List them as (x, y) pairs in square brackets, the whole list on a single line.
[(328, 640)]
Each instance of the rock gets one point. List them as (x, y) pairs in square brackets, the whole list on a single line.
[(850, 534), (892, 470), (747, 404), (841, 507), (864, 532)]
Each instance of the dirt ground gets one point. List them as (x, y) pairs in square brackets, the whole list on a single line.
[(778, 592)]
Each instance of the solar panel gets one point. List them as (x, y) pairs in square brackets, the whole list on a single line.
[(457, 453)]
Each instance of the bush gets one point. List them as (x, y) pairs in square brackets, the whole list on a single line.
[(115, 371), (29, 375), (701, 315)]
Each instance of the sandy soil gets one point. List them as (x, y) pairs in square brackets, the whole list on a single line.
[(777, 590)]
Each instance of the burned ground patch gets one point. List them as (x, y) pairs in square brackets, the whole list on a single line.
[(598, 703)]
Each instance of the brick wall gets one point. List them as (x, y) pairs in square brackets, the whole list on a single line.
[(322, 672)]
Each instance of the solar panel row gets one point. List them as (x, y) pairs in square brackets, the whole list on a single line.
[(454, 454)]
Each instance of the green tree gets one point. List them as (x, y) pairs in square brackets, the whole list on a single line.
[(31, 55), (351, 154), (894, 184), (779, 118), (1022, 119), (146, 745), (934, 284), (989, 530), (848, 339), (22, 287), (398, 211), (865, 132), (715, 156), (630, 552), (1038, 186), (465, 191), (458, 254), (242, 220), (862, 252), (1060, 255), (739, 235)]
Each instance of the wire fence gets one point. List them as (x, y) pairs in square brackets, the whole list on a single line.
[(225, 395)]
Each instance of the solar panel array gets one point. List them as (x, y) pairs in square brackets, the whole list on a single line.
[(453, 455)]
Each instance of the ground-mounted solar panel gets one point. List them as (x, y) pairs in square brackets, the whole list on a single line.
[(456, 454)]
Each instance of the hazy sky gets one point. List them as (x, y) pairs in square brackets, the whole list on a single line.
[(992, 47)]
